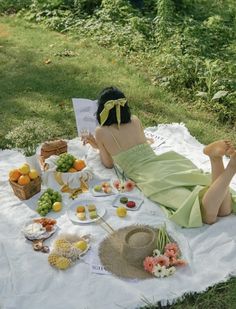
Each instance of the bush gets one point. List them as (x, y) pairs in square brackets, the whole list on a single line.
[(186, 46), (13, 6)]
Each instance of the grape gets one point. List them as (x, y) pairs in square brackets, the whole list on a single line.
[(46, 201), (65, 162)]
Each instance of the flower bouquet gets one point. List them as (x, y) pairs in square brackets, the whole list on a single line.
[(122, 184), (165, 258)]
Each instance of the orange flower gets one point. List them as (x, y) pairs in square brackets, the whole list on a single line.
[(172, 246), (180, 262), (162, 260), (170, 253)]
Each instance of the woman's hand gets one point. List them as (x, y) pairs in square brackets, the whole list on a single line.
[(90, 139)]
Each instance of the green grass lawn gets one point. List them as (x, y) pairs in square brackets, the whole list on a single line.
[(31, 88), (38, 80)]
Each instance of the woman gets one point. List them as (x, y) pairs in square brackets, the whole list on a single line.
[(188, 196)]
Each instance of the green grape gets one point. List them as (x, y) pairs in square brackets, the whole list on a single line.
[(65, 162)]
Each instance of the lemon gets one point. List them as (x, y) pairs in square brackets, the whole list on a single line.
[(33, 174), (57, 206), (24, 169), (82, 245), (121, 211)]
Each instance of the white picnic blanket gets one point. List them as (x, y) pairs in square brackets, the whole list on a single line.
[(27, 280)]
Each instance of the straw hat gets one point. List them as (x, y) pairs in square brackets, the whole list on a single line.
[(123, 252)]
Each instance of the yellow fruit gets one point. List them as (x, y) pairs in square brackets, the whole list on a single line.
[(24, 169), (33, 174), (82, 245), (52, 259), (121, 211), (57, 206), (23, 180), (14, 175), (72, 170), (62, 245), (62, 263)]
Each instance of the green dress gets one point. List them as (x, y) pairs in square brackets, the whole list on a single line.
[(169, 179)]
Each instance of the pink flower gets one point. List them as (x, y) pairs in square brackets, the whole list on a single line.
[(116, 184), (149, 263), (172, 261), (172, 246), (162, 260), (170, 253), (129, 185), (180, 262)]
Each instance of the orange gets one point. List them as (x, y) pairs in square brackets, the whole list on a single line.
[(79, 164), (14, 174), (33, 174), (23, 180), (72, 170)]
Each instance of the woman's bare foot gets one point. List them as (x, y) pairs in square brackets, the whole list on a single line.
[(219, 149)]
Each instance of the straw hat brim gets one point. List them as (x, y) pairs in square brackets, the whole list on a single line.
[(110, 253)]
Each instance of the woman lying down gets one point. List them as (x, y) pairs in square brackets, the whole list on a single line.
[(189, 196)]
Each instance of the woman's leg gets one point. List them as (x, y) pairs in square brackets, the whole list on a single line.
[(217, 200)]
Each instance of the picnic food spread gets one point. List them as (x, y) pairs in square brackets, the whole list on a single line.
[(67, 249)]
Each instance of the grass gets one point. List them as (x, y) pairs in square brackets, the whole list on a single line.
[(37, 82), (30, 88)]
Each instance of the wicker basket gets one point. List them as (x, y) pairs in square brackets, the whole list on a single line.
[(27, 191), (50, 148)]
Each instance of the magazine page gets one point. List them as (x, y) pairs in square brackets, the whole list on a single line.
[(85, 114)]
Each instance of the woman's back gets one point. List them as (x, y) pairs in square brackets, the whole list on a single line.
[(116, 140)]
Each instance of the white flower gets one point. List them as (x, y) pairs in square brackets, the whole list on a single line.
[(156, 252), (171, 270), (121, 187), (160, 271)]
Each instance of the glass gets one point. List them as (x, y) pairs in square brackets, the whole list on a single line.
[(84, 133)]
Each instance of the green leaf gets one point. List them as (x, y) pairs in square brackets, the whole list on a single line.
[(220, 94)]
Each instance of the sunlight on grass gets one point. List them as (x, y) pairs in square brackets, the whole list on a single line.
[(37, 81)]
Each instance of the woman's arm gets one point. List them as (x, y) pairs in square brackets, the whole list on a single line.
[(104, 154), (96, 142)]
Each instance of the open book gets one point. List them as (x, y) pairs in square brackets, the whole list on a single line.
[(85, 115)]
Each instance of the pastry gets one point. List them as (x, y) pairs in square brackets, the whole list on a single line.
[(91, 207), (93, 214), (80, 209), (130, 204), (124, 200), (81, 216), (97, 188)]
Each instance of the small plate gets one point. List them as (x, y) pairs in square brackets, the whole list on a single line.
[(43, 234), (138, 201), (72, 214), (102, 193)]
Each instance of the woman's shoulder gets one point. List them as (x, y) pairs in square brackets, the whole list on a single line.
[(135, 119)]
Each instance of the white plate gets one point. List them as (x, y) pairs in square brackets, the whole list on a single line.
[(72, 214), (101, 193), (39, 235), (138, 201)]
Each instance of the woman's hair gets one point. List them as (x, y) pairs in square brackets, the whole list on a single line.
[(112, 93)]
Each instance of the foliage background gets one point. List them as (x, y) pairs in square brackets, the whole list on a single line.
[(187, 46)]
